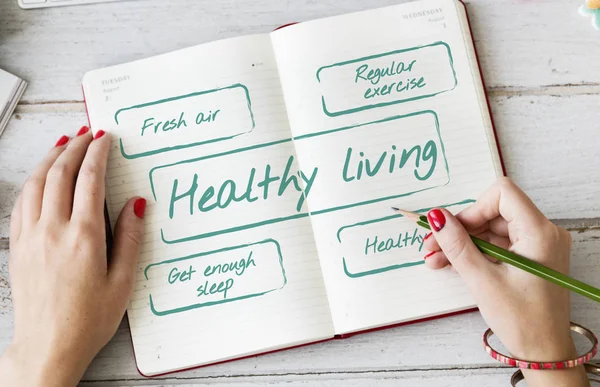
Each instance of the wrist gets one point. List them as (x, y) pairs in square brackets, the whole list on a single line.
[(556, 350), (571, 377), (20, 367), (547, 348)]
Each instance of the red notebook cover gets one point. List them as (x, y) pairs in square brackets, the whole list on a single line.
[(341, 336)]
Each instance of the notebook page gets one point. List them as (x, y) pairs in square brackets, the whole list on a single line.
[(388, 105), (229, 265)]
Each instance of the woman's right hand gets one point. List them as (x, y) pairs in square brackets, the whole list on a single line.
[(531, 316)]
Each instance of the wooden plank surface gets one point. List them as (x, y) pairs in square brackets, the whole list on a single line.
[(450, 343), (522, 44), (450, 378)]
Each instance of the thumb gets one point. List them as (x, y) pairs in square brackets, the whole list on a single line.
[(127, 244), (457, 245)]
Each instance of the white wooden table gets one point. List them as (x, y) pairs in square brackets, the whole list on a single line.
[(541, 62)]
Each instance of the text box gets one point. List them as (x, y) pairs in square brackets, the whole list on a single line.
[(228, 192), (375, 161), (381, 245), (216, 277), (385, 79), (184, 121), (262, 184)]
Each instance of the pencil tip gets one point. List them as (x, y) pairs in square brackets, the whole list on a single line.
[(407, 214)]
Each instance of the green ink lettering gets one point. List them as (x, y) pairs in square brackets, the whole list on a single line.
[(389, 244), (406, 156), (374, 171), (181, 121), (228, 285), (209, 193), (308, 183), (266, 181), (359, 71), (368, 245), (248, 194), (230, 197), (393, 160), (173, 275), (174, 197), (429, 152), (148, 122), (345, 170), (288, 179)]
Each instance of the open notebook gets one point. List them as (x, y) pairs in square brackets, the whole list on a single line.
[(271, 162)]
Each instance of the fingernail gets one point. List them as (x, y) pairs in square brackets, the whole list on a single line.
[(139, 208), (429, 255), (427, 236), (437, 220), (99, 134), (84, 129), (62, 141)]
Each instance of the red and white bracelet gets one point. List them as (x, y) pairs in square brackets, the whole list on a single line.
[(590, 369), (545, 365)]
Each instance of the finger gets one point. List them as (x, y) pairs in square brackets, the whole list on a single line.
[(503, 199), (499, 226), (33, 189), (60, 183), (495, 239), (499, 239), (436, 260), (430, 243), (15, 222), (126, 249), (458, 247), (88, 200), (433, 247)]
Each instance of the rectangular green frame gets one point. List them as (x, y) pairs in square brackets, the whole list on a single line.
[(301, 215), (371, 106), (392, 267), (203, 254), (183, 146)]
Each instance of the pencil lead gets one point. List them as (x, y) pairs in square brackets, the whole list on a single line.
[(395, 209)]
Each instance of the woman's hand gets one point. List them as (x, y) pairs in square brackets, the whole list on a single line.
[(68, 300), (531, 316)]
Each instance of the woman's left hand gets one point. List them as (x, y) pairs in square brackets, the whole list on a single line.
[(68, 299)]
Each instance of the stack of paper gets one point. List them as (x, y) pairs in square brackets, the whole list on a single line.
[(11, 90)]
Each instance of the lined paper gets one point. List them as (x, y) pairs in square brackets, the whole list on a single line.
[(205, 298), (427, 144)]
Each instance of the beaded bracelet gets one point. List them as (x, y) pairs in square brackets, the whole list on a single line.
[(545, 365), (590, 368)]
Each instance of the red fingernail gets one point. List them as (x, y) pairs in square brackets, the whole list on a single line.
[(62, 141), (99, 134), (429, 255), (139, 208), (84, 129), (427, 236), (437, 220)]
